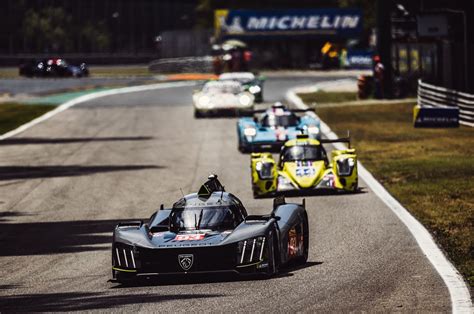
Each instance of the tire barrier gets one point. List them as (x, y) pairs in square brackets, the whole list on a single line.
[(439, 106)]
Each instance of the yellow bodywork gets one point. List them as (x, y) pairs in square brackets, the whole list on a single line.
[(270, 177)]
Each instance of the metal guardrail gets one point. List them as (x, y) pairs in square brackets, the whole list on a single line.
[(439, 97)]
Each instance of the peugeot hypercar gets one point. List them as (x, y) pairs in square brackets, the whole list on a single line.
[(304, 167), (249, 82), (210, 232), (219, 97), (53, 68), (274, 127)]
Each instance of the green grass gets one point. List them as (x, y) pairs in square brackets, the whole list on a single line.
[(430, 171), (8, 73), (12, 115), (118, 71), (328, 97)]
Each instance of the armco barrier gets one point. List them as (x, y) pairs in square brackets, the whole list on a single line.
[(431, 96)]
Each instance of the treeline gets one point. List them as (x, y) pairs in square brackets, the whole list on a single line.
[(53, 29), (50, 26)]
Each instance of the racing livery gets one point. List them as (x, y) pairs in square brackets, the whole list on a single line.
[(210, 231), (249, 82), (304, 167), (217, 97), (274, 127)]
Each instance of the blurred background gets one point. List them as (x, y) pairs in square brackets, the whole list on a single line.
[(433, 40)]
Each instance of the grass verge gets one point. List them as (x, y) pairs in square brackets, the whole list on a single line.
[(328, 97), (8, 73), (430, 171), (119, 71), (12, 115)]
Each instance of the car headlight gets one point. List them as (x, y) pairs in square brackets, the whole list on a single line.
[(312, 129), (251, 251), (250, 132), (285, 184), (245, 100), (255, 89), (264, 170), (204, 101), (345, 166)]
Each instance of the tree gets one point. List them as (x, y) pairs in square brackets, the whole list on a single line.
[(48, 29), (368, 9)]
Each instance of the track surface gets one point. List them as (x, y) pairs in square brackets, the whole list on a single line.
[(49, 85), (66, 182)]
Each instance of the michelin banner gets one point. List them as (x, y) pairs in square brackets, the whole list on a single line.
[(337, 22)]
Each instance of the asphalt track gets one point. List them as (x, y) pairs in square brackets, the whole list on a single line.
[(66, 182)]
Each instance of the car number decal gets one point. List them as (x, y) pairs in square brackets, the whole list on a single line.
[(190, 237), (305, 171)]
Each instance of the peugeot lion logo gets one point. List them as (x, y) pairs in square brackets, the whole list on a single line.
[(186, 261)]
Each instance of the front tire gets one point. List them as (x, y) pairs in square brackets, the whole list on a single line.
[(197, 114), (272, 253), (304, 257)]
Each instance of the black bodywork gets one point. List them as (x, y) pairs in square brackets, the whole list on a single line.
[(235, 242), (53, 67)]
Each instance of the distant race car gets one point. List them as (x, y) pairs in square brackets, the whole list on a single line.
[(218, 97), (274, 127), (249, 81), (304, 167), (210, 232), (52, 68)]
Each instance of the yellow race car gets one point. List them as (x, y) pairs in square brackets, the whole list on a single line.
[(303, 168)]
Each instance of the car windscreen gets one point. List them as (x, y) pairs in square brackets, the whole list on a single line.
[(223, 88), (213, 218), (272, 120), (304, 152)]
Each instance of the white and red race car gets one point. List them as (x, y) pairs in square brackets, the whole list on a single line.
[(222, 97)]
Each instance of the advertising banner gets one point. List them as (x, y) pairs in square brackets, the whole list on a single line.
[(447, 117), (359, 59), (336, 22)]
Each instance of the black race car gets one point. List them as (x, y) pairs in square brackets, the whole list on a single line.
[(210, 232), (54, 67)]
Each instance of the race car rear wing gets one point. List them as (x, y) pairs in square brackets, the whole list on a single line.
[(346, 139), (134, 223), (337, 140)]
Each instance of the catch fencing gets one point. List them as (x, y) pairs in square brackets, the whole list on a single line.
[(439, 97)]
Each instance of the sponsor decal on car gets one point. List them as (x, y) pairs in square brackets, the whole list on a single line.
[(190, 237), (292, 243)]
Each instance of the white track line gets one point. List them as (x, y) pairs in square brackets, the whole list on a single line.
[(91, 96), (460, 296)]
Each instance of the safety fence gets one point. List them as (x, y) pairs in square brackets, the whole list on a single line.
[(440, 97)]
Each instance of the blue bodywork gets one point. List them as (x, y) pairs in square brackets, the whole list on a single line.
[(268, 138)]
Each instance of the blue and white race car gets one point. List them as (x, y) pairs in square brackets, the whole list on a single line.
[(274, 127)]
